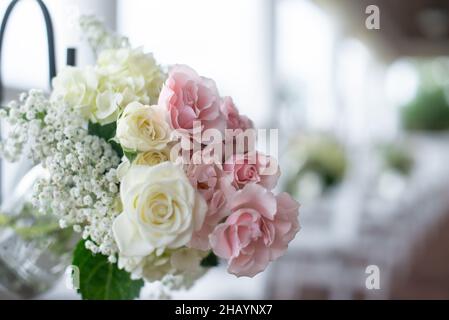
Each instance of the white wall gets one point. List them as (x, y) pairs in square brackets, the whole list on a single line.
[(222, 39), (25, 62)]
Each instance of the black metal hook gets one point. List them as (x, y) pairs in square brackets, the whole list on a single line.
[(50, 38)]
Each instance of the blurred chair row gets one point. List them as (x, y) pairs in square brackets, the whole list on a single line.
[(404, 237)]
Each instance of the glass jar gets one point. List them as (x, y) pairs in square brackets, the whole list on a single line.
[(34, 251)]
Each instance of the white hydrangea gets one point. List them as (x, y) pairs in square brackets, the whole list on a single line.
[(77, 87), (179, 267), (125, 75), (82, 188), (121, 76), (152, 267)]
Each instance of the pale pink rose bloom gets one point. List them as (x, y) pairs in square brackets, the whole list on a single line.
[(216, 212), (252, 167), (236, 125), (234, 120), (286, 224), (209, 181), (205, 178), (257, 231), (190, 98)]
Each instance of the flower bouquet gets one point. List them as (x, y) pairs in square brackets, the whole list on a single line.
[(156, 171)]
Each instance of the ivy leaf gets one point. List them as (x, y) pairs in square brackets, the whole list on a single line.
[(210, 260), (101, 280), (107, 132)]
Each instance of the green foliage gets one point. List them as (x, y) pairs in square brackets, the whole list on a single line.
[(320, 154), (398, 158), (107, 132), (130, 155), (102, 280), (4, 220), (429, 111), (210, 260)]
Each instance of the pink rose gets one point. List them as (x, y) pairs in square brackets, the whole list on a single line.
[(257, 231), (216, 212), (234, 120), (286, 224), (190, 98), (252, 167), (205, 178), (236, 129), (208, 180)]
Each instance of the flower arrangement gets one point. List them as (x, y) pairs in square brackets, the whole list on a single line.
[(149, 166), (317, 162)]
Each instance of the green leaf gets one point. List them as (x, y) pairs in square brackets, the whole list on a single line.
[(101, 280), (131, 155), (210, 260), (107, 132), (4, 219)]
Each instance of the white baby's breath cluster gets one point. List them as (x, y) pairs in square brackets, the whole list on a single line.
[(26, 119), (82, 185), (98, 37)]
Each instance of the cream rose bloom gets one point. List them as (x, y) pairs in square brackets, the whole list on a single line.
[(143, 128), (152, 157), (161, 210), (148, 158)]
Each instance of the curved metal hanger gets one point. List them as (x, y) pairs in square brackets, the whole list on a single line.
[(50, 38)]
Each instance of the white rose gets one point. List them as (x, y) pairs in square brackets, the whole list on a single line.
[(161, 210), (123, 168), (143, 128), (153, 157), (148, 158)]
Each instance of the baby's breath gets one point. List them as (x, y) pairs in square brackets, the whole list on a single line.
[(82, 186), (99, 37)]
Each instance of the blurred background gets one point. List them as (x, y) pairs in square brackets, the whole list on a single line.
[(363, 118)]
